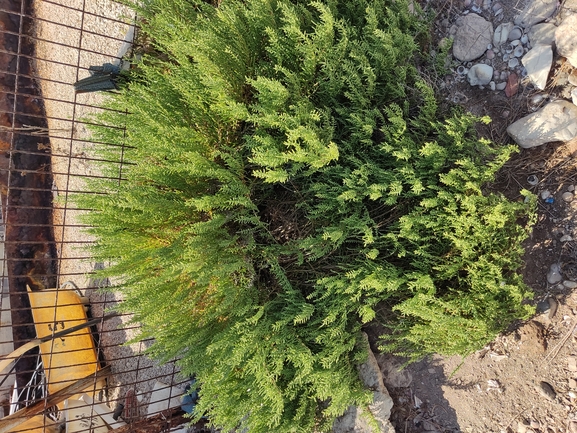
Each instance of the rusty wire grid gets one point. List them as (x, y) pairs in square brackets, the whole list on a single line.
[(45, 47)]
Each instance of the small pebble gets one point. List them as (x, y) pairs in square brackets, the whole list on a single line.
[(516, 33), (518, 52), (505, 57), (572, 395), (513, 63), (572, 383), (566, 238), (570, 284), (524, 39), (571, 188), (554, 275), (567, 196), (501, 86), (492, 85), (497, 7), (543, 307), (532, 180), (547, 391), (515, 42), (553, 307), (467, 3), (545, 194), (535, 424), (504, 75), (506, 113), (490, 54)]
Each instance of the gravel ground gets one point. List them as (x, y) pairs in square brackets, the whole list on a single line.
[(68, 42)]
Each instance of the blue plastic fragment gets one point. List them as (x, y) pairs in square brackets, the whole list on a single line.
[(549, 200), (190, 398)]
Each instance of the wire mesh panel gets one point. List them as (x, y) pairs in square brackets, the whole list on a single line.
[(65, 360)]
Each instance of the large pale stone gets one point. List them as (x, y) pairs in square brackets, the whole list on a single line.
[(557, 121), (474, 34), (358, 420), (542, 34), (535, 12), (538, 62), (502, 33), (566, 39), (480, 74)]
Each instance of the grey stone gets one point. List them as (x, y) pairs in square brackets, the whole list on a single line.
[(566, 39), (473, 35), (567, 196), (570, 284), (513, 63), (501, 86), (574, 96), (502, 33), (546, 390), (355, 419), (518, 52), (480, 74), (538, 64), (515, 33), (542, 34), (535, 12), (556, 121), (394, 376), (554, 275)]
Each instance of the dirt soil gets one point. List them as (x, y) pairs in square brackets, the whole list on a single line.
[(525, 380)]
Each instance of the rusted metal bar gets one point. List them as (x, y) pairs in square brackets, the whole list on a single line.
[(164, 421)]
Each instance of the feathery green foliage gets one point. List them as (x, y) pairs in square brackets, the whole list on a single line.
[(286, 180)]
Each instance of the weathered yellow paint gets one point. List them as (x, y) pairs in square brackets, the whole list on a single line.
[(38, 424), (69, 358)]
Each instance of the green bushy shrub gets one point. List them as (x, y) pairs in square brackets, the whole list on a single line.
[(286, 177)]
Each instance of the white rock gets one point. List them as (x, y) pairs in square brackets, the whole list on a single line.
[(480, 75), (556, 121), (566, 238), (502, 33), (574, 96), (473, 35), (353, 419), (535, 12), (518, 52), (538, 64), (545, 194), (501, 86), (570, 284), (513, 63), (542, 34), (567, 196), (554, 274), (566, 39)]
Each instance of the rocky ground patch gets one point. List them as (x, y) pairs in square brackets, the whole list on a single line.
[(517, 63)]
